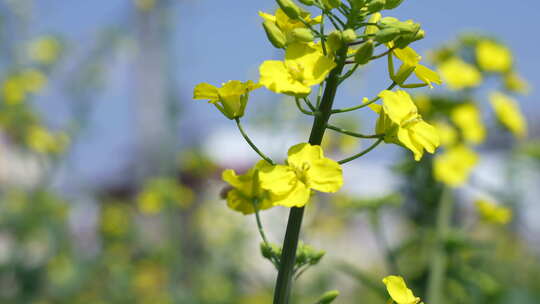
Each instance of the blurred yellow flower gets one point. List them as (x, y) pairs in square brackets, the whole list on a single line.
[(447, 133), (160, 192), (287, 25), (515, 83), (458, 74), (13, 91), (467, 118), (145, 5), (304, 66), (398, 290), (491, 212), (508, 113), (411, 62), (231, 99), (454, 166), (115, 219), (44, 50), (246, 192), (400, 122), (493, 57), (290, 185), (41, 140), (32, 80)]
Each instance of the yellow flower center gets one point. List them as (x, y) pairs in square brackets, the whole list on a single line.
[(301, 172), (296, 71), (410, 119)]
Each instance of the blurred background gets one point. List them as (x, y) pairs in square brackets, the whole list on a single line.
[(110, 172)]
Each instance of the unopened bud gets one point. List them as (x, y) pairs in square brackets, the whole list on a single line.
[(348, 35), (387, 34), (274, 34), (290, 8), (364, 52), (334, 40), (372, 29), (391, 4), (376, 5), (358, 3), (328, 297), (331, 4), (404, 40), (307, 2), (302, 34)]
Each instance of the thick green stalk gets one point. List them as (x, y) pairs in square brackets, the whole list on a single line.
[(437, 269), (290, 243)]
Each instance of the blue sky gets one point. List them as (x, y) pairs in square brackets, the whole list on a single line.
[(215, 41)]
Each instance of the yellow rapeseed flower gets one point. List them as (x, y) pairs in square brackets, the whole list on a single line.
[(287, 25), (411, 62), (231, 99), (400, 122), (458, 74), (398, 290), (246, 192), (455, 165), (508, 113), (304, 66), (493, 57), (32, 80), (447, 133), (44, 50), (306, 168), (467, 118), (493, 213), (41, 140), (160, 192)]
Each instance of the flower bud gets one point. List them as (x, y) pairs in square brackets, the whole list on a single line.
[(348, 35), (274, 34), (328, 297), (307, 2), (334, 40), (331, 4), (372, 29), (391, 4), (290, 8), (404, 40), (387, 34), (364, 53), (358, 3), (302, 34), (376, 5)]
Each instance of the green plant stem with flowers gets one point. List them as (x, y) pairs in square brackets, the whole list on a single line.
[(313, 57)]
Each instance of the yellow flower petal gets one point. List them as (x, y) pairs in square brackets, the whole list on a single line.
[(493, 57), (467, 118), (396, 287), (508, 113), (303, 153), (298, 196), (205, 91), (427, 75), (276, 77), (454, 166), (279, 179), (325, 175), (458, 74)]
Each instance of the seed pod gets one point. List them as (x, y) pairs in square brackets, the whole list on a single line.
[(274, 34), (290, 8), (348, 35), (302, 34), (364, 53)]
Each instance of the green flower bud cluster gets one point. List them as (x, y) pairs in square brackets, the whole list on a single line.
[(291, 9), (401, 32), (364, 52), (305, 254), (331, 4)]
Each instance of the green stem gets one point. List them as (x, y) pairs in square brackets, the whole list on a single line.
[(251, 144), (350, 133), (366, 151), (290, 243), (299, 106), (391, 86), (438, 265)]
